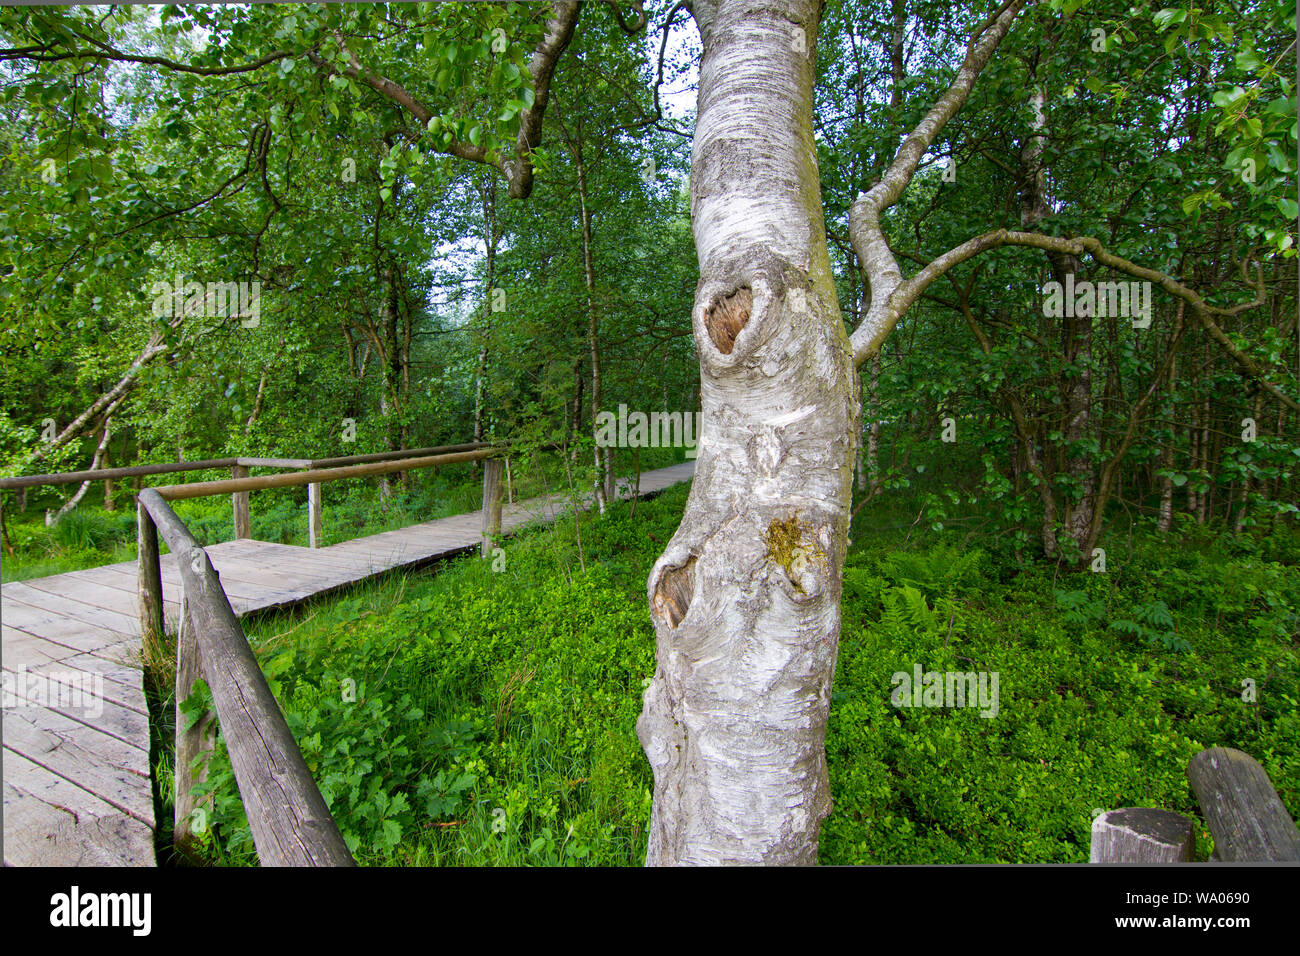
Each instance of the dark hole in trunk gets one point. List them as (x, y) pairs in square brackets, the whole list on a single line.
[(674, 592), (727, 317)]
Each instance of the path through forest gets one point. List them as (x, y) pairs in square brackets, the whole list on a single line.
[(76, 739)]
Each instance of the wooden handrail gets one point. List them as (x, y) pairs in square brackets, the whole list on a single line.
[(100, 474), (202, 489), (242, 461), (395, 455), (290, 823)]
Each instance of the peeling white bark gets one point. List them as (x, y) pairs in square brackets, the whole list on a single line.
[(746, 596)]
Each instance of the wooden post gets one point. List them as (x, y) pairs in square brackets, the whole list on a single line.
[(191, 819), (492, 488), (239, 500), (108, 482), (149, 577), (315, 516), (1136, 835), (1246, 817)]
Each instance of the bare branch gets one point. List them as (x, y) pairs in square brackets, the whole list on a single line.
[(869, 242)]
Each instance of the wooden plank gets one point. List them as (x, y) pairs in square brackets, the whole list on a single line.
[(87, 592), (267, 554), (115, 720), (324, 558), (116, 577), (277, 578), (22, 649), (1246, 817), (117, 774), (124, 578), (69, 607), (71, 633), (51, 822), (30, 650), (69, 675)]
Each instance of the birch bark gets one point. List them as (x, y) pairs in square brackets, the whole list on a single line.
[(746, 595)]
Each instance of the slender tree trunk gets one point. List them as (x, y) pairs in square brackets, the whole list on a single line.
[(491, 237), (1203, 500), (604, 477), (106, 463), (257, 403), (1166, 520), (746, 596), (95, 462), (390, 399), (1243, 500)]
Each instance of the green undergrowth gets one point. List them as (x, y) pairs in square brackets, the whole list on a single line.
[(479, 717)]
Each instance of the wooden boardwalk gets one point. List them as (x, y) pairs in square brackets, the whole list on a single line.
[(77, 789)]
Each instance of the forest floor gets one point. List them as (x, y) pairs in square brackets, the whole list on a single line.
[(494, 719)]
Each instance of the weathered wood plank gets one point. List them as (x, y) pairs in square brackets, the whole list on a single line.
[(124, 576), (87, 592), (29, 650), (1246, 817), (99, 764), (51, 822), (77, 635), (113, 719), (63, 614), (70, 675)]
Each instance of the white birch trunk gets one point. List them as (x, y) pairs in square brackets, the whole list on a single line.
[(745, 597)]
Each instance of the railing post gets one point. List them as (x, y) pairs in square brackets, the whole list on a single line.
[(491, 504), (149, 577), (315, 516), (191, 820), (1138, 835), (239, 500)]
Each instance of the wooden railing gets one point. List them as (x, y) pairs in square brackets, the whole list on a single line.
[(291, 825), (239, 469)]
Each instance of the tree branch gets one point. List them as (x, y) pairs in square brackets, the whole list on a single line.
[(906, 293), (869, 242)]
